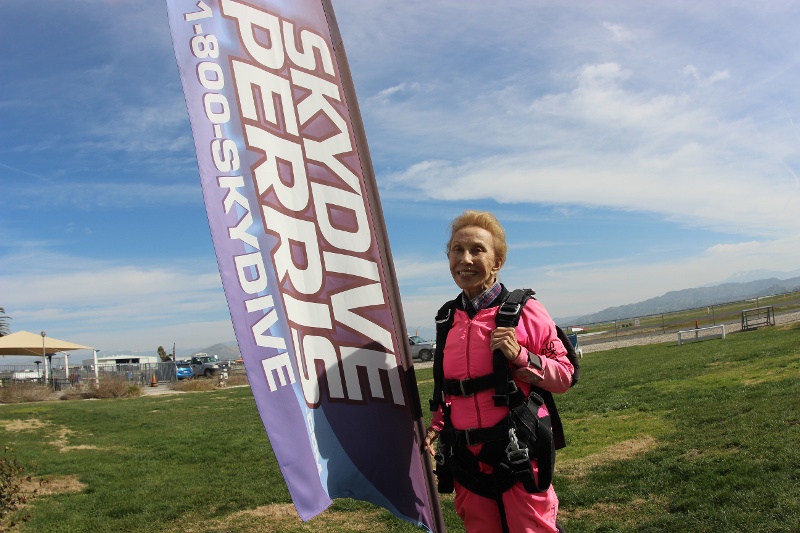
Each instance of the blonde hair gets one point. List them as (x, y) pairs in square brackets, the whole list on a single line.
[(485, 220)]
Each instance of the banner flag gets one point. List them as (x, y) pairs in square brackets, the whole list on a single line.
[(302, 251)]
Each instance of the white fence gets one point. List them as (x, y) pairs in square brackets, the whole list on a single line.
[(700, 334)]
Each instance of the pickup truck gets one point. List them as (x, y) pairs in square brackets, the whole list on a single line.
[(420, 348), (208, 365)]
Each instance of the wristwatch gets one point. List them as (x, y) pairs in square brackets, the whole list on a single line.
[(535, 361)]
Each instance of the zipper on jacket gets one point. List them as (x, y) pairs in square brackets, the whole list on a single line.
[(469, 372)]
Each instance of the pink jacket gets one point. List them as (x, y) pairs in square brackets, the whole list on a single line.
[(467, 356)]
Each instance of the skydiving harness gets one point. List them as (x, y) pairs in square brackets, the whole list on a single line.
[(509, 446)]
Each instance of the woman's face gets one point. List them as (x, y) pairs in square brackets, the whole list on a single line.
[(473, 263)]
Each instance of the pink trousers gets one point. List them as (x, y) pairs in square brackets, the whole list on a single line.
[(525, 512)]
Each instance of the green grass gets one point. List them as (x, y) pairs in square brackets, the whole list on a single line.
[(703, 437)]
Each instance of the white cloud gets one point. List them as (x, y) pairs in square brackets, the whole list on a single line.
[(625, 148), (719, 75), (619, 33), (101, 300)]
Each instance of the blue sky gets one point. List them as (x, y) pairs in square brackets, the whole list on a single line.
[(629, 148)]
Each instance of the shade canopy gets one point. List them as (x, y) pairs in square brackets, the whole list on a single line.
[(27, 343)]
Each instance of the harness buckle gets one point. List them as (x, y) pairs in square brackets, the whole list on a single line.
[(515, 454), (507, 308), (463, 391), (512, 387), (467, 433)]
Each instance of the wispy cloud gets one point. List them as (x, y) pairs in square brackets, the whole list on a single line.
[(71, 291), (719, 75), (86, 196), (619, 33)]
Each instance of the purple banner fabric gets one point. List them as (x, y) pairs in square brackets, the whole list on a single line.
[(302, 252)]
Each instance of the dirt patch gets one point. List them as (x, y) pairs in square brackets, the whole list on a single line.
[(31, 488), (278, 518), (61, 436), (625, 514), (578, 468), (62, 442), (52, 486), (24, 425)]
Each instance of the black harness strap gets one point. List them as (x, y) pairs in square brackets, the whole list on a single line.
[(507, 317), (468, 387), (444, 321)]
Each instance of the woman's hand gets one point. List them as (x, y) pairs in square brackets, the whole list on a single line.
[(430, 438), (505, 340)]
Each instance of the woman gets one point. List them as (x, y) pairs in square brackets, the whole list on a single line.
[(535, 355)]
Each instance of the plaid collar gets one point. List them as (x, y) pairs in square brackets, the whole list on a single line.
[(483, 300)]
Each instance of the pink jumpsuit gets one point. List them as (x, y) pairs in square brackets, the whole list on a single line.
[(467, 355)]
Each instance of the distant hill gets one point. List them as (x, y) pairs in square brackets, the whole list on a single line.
[(669, 302), (226, 352), (690, 299)]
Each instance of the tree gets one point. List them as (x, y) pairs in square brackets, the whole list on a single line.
[(4, 323), (163, 354)]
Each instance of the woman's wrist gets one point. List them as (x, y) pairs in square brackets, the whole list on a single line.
[(521, 360), (535, 361)]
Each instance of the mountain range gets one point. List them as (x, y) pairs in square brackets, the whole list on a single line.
[(690, 299), (226, 351), (740, 286)]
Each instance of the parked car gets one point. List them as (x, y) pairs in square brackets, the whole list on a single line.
[(183, 370), (208, 365), (420, 348)]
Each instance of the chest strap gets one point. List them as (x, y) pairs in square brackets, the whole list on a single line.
[(472, 437), (468, 387)]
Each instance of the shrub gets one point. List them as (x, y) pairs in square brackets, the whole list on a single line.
[(194, 385), (73, 393), (11, 495), (237, 379), (26, 392), (113, 387)]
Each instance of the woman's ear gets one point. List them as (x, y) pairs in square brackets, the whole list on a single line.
[(498, 264)]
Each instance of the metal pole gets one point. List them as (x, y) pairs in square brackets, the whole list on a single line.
[(52, 375), (96, 376), (44, 356)]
